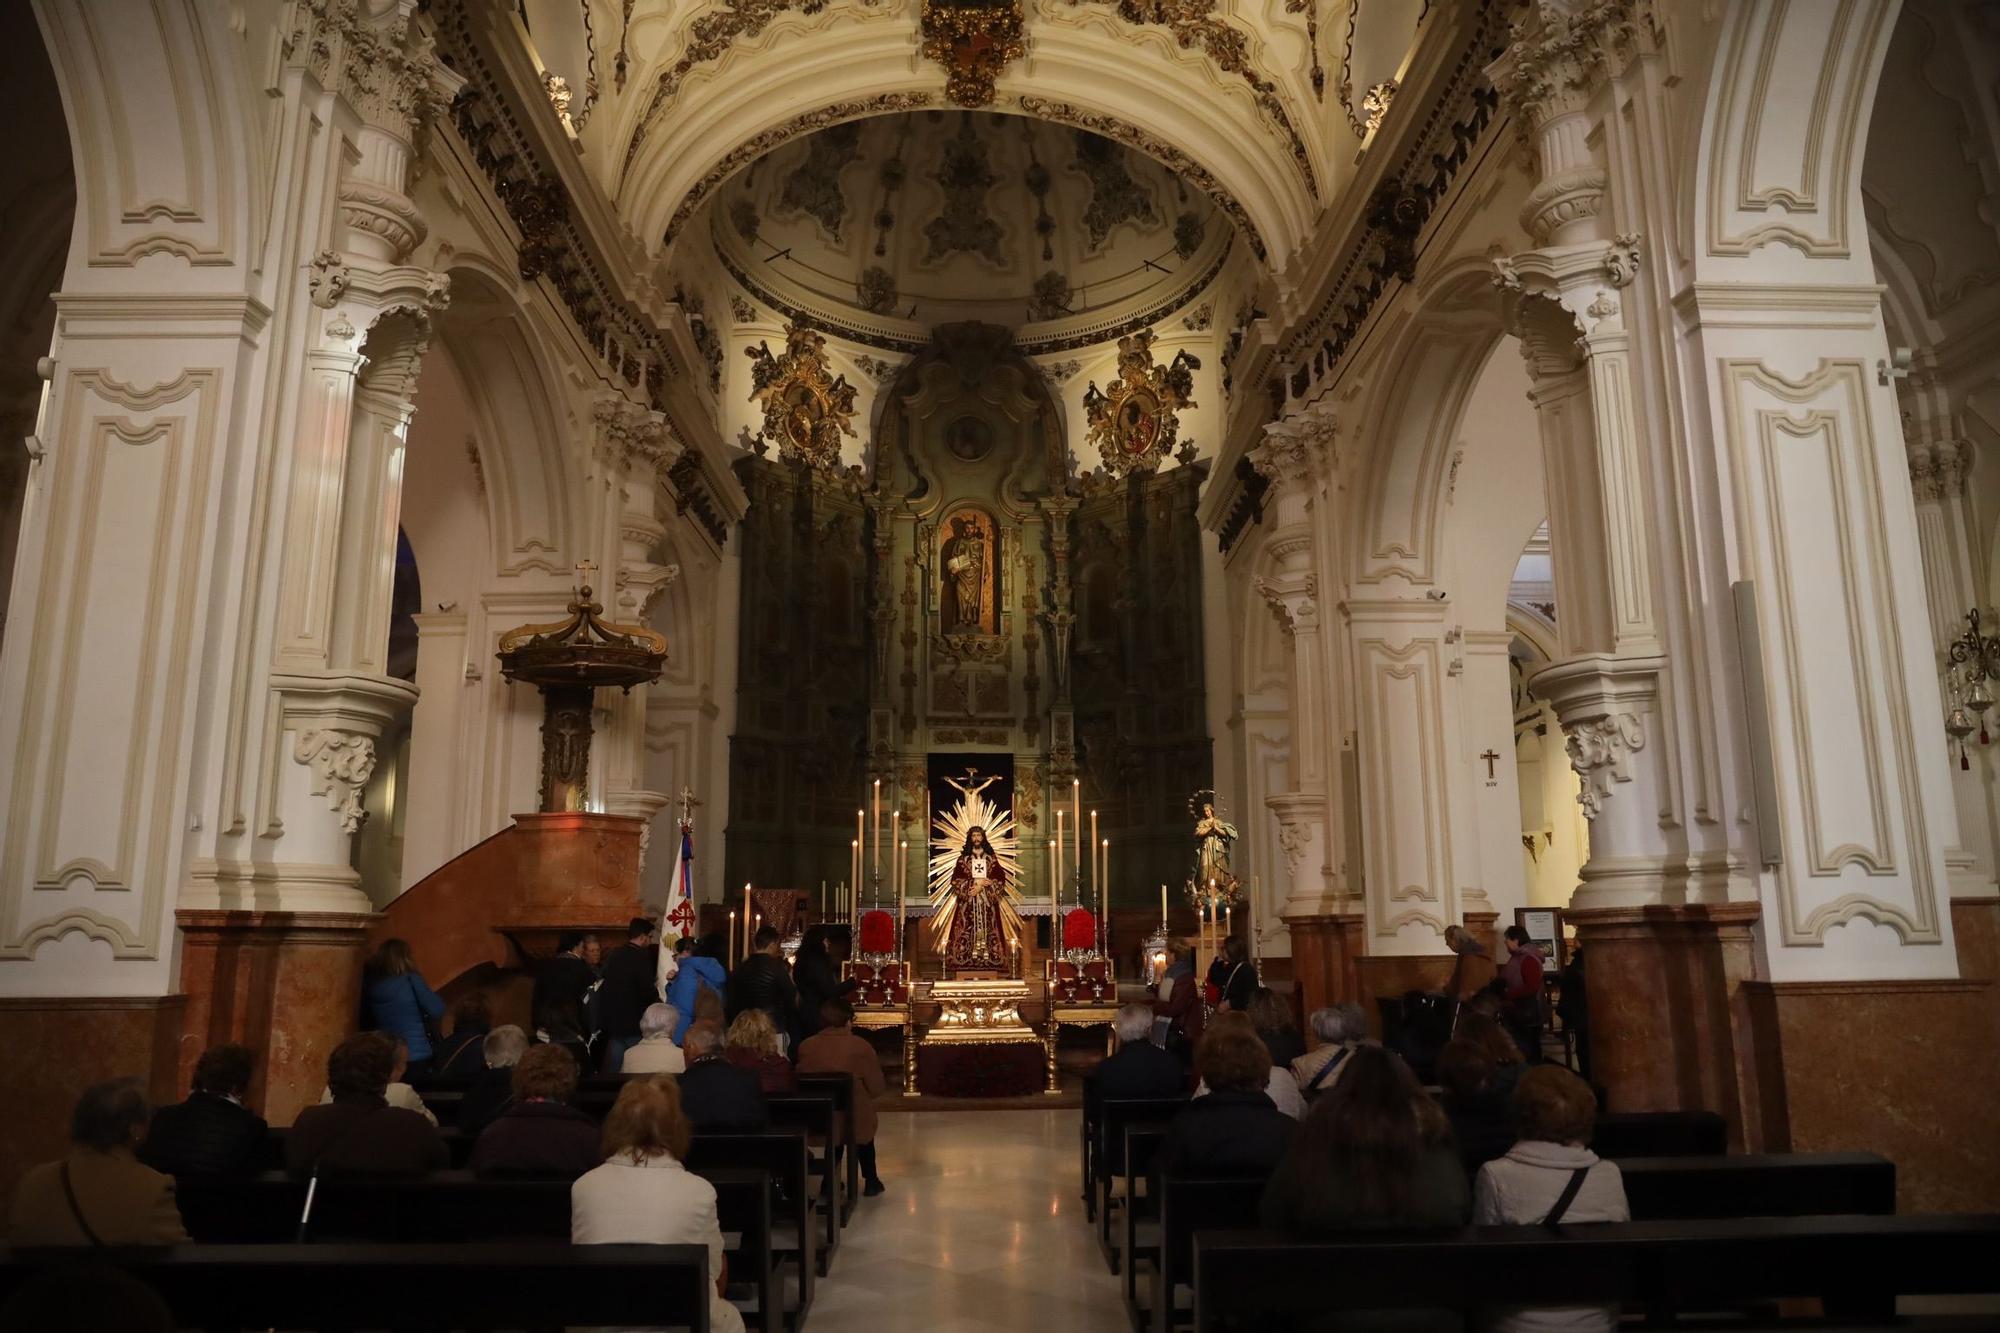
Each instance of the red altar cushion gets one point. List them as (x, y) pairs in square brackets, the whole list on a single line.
[(1079, 930), (878, 932)]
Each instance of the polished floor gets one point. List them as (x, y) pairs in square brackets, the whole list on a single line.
[(982, 1229)]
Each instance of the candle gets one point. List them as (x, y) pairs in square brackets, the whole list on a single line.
[(1250, 921), (1104, 898), (1059, 852), (1076, 824), (746, 918), (1094, 876), (1163, 909), (729, 951), (876, 847), (902, 889)]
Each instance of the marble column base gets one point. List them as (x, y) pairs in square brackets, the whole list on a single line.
[(1668, 1023), (285, 984), (1324, 950), (1901, 1068), (57, 1047)]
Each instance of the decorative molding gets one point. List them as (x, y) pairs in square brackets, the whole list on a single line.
[(1938, 469), (1199, 25), (341, 764), (1600, 751), (1299, 447), (806, 407), (329, 280), (1135, 422), (975, 41)]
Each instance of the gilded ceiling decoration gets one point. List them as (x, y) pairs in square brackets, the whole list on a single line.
[(1198, 25), (1115, 196), (975, 41), (813, 187), (1310, 8), (759, 144), (806, 407), (965, 224), (1134, 424), (1049, 108)]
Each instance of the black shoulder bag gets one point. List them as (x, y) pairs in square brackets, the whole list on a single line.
[(1567, 1197), (76, 1210)]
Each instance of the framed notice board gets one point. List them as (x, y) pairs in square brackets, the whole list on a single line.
[(1545, 932)]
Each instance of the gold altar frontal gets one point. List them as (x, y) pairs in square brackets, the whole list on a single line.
[(978, 1012)]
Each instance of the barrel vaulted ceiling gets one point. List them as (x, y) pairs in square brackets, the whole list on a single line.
[(1264, 106)]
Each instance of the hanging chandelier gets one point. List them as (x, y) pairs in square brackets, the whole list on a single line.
[(1975, 662)]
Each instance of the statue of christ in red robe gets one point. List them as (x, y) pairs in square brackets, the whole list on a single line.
[(978, 883)]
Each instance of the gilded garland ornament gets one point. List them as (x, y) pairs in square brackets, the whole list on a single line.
[(975, 41), (806, 407), (1134, 424)]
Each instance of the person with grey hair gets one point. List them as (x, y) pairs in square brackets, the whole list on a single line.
[(491, 1090), (1138, 1068), (1337, 1031), (656, 1052), (717, 1095), (101, 1194)]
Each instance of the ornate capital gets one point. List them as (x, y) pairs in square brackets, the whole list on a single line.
[(1294, 599), (1299, 447), (1938, 469), (1600, 751), (629, 435), (1561, 51), (341, 764)]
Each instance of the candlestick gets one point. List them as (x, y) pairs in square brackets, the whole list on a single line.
[(902, 890)]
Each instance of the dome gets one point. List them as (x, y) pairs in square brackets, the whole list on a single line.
[(895, 225)]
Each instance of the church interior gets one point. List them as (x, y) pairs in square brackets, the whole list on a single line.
[(1000, 541)]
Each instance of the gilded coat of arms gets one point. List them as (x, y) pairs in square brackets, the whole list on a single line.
[(806, 407), (1134, 424)]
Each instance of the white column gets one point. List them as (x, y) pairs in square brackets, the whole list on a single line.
[(1495, 873)]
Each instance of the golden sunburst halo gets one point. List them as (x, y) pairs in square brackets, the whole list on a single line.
[(948, 834)]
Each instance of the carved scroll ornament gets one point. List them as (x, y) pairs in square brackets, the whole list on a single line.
[(341, 764)]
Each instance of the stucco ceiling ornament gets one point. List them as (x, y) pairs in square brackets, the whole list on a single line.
[(1135, 423), (806, 407), (975, 41)]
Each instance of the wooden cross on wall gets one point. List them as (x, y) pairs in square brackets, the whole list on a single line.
[(1491, 757)]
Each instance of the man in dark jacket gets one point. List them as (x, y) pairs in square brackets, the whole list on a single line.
[(1138, 1068), (818, 977), (631, 986), (1233, 1128), (211, 1133), (716, 1095), (563, 981), (762, 981), (358, 1132)]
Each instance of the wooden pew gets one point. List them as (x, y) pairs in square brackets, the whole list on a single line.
[(1087, 1132), (1115, 1116), (341, 1287), (812, 1113), (1142, 1209), (1759, 1185), (843, 1091), (1856, 1266), (1657, 1188), (782, 1154), (1660, 1134), (457, 1207)]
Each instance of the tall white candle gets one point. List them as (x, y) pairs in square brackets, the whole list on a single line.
[(876, 845)]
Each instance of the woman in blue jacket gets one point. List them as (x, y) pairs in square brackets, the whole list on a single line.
[(396, 1000), (697, 967)]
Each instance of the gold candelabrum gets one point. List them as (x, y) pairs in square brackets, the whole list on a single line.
[(568, 661)]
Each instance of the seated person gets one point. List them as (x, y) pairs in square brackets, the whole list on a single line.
[(1279, 1085), (359, 1132), (491, 1090), (1337, 1032), (836, 1049), (540, 1134), (561, 1024), (1272, 1017), (1482, 1124), (1138, 1068), (752, 1046), (716, 1094), (1375, 1152), (1550, 1175), (643, 1195), (656, 1052), (399, 1092), (1233, 1130), (458, 1057), (101, 1193), (211, 1133)]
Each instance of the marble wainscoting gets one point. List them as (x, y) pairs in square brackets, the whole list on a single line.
[(982, 1230), (1901, 1068), (1975, 929), (57, 1047)]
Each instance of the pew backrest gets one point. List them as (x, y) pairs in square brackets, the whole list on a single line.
[(1759, 1185)]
